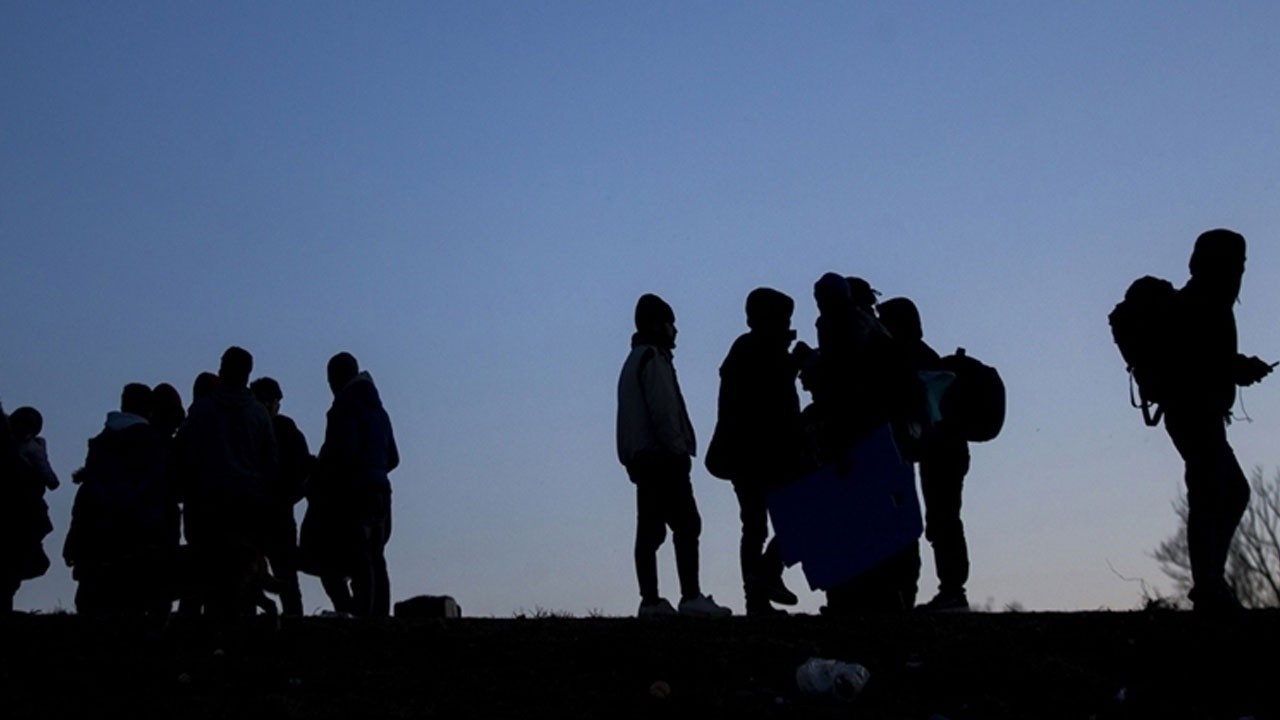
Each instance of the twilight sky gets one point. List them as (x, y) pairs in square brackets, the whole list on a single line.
[(470, 196)]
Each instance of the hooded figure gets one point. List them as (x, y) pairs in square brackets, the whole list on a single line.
[(1208, 368), (122, 537), (348, 519)]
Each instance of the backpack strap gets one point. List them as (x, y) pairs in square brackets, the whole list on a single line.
[(1148, 417)]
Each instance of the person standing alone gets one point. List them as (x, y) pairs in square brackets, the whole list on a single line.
[(656, 444)]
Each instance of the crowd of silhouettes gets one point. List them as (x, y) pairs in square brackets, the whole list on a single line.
[(225, 475)]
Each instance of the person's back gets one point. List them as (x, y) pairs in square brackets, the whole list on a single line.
[(122, 540), (229, 463), (230, 458)]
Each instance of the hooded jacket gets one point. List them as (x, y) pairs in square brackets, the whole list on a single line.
[(124, 501), (652, 418), (758, 419), (359, 449)]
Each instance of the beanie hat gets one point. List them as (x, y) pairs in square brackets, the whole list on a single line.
[(652, 311), (766, 306)]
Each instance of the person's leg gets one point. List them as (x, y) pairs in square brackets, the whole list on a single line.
[(942, 483), (282, 556), (381, 580), (339, 592), (1231, 499), (686, 527), (651, 532), (755, 529), (1194, 435)]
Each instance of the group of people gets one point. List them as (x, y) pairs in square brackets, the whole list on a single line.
[(863, 375), (867, 372), (224, 475)]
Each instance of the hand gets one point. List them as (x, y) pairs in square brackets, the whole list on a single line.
[(1250, 370)]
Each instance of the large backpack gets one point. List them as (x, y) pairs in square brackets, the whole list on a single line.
[(1142, 327), (974, 403)]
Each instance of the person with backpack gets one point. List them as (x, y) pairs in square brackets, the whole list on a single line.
[(756, 444), (1205, 368), (943, 458), (656, 444)]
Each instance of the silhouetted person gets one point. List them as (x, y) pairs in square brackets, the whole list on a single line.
[(203, 387), (122, 539), (167, 413), (348, 520), (656, 444), (26, 424), (758, 431), (1208, 368), (943, 456), (24, 519), (295, 468), (229, 459)]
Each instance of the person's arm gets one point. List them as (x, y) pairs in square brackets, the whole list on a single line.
[(1250, 369), (661, 397)]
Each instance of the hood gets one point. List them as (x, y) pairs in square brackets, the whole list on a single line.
[(359, 389)]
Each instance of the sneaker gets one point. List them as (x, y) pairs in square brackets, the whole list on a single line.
[(657, 608), (703, 606), (946, 602)]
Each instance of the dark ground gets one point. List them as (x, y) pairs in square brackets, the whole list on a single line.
[(979, 665)]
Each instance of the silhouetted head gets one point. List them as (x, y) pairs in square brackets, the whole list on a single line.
[(901, 318), (135, 399), (862, 294), (166, 408), (342, 369), (268, 392), (768, 309), (203, 386), (655, 320), (26, 422), (1217, 262), (831, 293), (236, 366)]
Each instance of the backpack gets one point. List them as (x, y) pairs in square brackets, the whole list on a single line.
[(974, 402), (1141, 326)]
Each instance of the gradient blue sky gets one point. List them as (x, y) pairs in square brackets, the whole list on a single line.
[(470, 196)]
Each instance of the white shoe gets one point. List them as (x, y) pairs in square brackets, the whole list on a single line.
[(659, 608), (703, 606)]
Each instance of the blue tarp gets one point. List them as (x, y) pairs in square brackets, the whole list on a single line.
[(838, 526)]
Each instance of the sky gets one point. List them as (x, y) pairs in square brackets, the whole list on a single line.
[(470, 196)]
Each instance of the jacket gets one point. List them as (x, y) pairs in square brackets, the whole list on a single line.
[(652, 418)]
